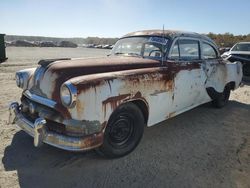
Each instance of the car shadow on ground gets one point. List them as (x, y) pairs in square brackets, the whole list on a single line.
[(196, 149)]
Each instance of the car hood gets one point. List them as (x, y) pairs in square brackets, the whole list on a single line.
[(242, 56), (50, 75), (239, 52)]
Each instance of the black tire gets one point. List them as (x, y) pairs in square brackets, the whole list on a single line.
[(123, 132), (246, 70), (222, 98)]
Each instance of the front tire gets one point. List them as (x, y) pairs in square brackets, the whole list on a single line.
[(222, 99), (124, 131)]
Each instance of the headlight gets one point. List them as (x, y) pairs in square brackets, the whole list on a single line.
[(19, 80), (68, 95)]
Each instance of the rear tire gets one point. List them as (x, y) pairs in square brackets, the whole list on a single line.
[(124, 131), (222, 98)]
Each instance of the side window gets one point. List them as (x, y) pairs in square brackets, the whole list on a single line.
[(208, 51), (189, 49), (175, 52)]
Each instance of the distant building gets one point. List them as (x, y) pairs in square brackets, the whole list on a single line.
[(2, 49)]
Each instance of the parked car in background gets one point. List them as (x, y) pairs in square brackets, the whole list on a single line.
[(224, 49), (240, 52), (105, 103)]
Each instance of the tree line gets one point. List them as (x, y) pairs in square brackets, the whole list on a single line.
[(228, 39), (222, 40), (79, 41)]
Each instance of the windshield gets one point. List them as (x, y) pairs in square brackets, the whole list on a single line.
[(146, 47), (241, 47)]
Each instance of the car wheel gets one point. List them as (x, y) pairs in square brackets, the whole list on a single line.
[(246, 70), (222, 98), (123, 132)]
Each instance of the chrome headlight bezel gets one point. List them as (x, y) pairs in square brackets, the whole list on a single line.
[(19, 80), (71, 95)]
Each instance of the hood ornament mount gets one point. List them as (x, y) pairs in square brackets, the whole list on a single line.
[(46, 62)]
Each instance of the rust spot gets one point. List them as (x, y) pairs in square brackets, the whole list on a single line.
[(156, 92), (93, 140), (115, 101), (82, 87), (96, 139), (138, 95), (171, 114), (79, 107), (62, 110)]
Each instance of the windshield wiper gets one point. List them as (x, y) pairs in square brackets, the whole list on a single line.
[(119, 53)]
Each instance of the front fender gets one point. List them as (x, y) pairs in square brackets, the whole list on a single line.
[(98, 95)]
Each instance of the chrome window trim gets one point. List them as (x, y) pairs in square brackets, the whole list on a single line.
[(213, 46), (38, 99), (186, 38)]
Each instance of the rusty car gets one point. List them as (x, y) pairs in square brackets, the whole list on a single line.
[(105, 103)]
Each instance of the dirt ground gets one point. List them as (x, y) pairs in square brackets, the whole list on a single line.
[(204, 147)]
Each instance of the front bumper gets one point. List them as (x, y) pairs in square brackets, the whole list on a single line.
[(41, 134)]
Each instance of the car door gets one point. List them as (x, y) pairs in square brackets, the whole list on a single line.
[(185, 55), (210, 58)]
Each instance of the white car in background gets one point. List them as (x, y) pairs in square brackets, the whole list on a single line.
[(240, 52)]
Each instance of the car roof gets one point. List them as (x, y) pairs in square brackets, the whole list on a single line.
[(168, 33), (243, 43)]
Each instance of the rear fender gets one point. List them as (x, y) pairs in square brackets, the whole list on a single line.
[(224, 74)]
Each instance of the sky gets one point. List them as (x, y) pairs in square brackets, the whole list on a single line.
[(114, 18)]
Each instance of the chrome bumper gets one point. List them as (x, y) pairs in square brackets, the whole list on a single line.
[(41, 134)]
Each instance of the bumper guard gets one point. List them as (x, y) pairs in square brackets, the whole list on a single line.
[(41, 134)]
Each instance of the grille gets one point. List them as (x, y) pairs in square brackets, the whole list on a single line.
[(56, 127), (52, 125)]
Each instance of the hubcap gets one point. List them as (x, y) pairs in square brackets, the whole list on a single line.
[(121, 130)]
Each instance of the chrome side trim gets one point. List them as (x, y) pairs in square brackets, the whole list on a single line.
[(38, 99), (38, 74)]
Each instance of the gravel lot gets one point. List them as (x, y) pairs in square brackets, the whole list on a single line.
[(204, 147)]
